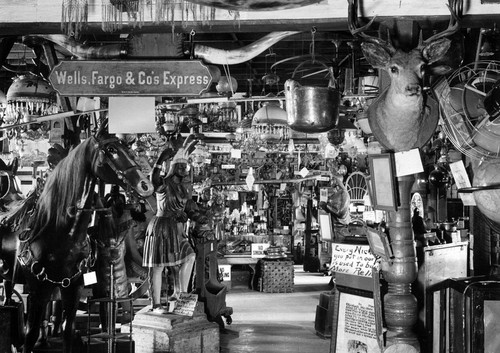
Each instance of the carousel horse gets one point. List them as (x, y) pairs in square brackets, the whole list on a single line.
[(118, 258), (51, 247)]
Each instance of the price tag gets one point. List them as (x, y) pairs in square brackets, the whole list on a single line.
[(89, 278), (228, 166), (408, 162), (303, 172), (236, 153), (323, 194)]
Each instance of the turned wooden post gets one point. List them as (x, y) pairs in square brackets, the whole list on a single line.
[(400, 305)]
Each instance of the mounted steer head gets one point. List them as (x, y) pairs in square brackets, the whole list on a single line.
[(402, 117)]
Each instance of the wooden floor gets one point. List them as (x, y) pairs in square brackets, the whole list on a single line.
[(276, 322)]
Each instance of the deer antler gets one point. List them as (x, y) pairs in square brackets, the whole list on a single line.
[(357, 31), (455, 7)]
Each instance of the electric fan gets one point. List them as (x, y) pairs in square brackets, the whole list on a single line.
[(469, 102)]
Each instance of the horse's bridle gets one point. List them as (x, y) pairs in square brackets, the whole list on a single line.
[(103, 154)]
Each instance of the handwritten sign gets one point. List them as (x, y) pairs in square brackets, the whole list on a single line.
[(186, 304), (136, 78), (352, 259)]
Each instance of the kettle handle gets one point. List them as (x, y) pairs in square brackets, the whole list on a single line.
[(291, 85)]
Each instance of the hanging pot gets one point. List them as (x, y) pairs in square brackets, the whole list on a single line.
[(311, 109)]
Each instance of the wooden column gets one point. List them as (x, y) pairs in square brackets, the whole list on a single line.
[(400, 305)]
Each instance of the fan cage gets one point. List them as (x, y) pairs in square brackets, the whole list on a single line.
[(461, 93)]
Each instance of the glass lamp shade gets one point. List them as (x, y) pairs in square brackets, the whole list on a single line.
[(270, 121), (30, 96), (3, 99), (439, 176), (3, 104), (226, 85)]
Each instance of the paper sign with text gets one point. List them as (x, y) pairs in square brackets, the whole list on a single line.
[(462, 181), (352, 259), (356, 332), (186, 304), (408, 162)]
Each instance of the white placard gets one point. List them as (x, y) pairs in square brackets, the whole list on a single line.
[(356, 330), (323, 194), (258, 250), (236, 153), (132, 115), (89, 278), (408, 162), (225, 272), (462, 181), (303, 172)]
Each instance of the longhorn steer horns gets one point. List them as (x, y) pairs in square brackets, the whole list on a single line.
[(402, 117), (208, 54)]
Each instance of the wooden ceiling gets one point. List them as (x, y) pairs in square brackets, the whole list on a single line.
[(321, 41)]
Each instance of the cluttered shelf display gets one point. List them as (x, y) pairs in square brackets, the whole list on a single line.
[(250, 230)]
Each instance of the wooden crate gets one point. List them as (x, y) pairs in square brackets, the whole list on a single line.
[(275, 276)]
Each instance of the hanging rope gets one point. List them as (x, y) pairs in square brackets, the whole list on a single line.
[(228, 75), (312, 49)]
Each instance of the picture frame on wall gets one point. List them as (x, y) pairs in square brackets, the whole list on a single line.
[(383, 186), (379, 243)]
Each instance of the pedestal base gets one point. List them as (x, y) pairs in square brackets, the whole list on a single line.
[(162, 333)]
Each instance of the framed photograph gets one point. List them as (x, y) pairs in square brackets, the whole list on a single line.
[(383, 185), (379, 243)]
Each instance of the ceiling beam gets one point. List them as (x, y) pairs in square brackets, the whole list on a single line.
[(44, 17)]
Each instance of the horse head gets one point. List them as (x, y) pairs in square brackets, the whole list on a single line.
[(115, 165), (9, 185)]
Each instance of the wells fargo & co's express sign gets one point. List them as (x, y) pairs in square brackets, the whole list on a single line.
[(121, 78)]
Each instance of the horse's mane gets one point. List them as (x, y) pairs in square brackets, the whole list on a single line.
[(64, 185)]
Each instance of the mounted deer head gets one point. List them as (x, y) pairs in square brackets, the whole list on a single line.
[(403, 117)]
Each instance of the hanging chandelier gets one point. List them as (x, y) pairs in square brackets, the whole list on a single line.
[(28, 98), (270, 122)]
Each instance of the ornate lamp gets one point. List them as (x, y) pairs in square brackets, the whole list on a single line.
[(29, 97)]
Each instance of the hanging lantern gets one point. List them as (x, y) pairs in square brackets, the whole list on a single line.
[(29, 97)]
